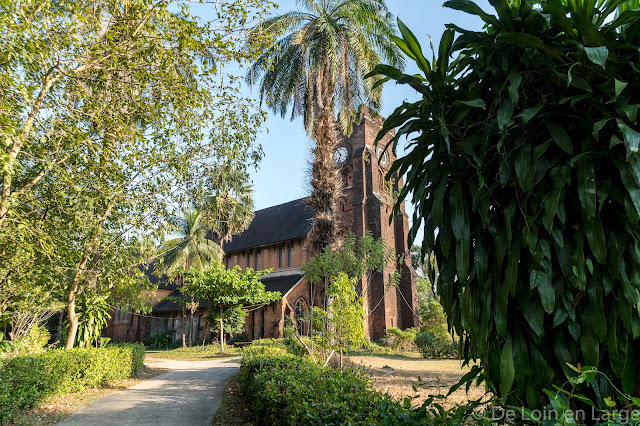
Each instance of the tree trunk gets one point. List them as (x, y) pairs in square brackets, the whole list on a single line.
[(325, 179), (221, 331), (184, 326), (190, 327), (341, 360), (59, 329), (73, 319)]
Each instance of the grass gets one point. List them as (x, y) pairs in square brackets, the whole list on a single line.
[(59, 408), (397, 374), (195, 353), (234, 408)]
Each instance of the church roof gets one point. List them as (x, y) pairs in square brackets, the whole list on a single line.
[(282, 283), (272, 225)]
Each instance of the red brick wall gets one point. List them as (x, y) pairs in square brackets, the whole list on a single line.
[(269, 256)]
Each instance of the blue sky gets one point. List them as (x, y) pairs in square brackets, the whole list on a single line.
[(282, 175)]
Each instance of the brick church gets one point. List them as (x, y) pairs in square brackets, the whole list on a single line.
[(277, 239)]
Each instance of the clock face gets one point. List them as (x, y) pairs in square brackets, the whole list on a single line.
[(340, 155), (383, 157)]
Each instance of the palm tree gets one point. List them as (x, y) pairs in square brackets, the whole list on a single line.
[(229, 206), (191, 249), (316, 69)]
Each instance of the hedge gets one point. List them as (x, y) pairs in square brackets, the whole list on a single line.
[(284, 389), (25, 381)]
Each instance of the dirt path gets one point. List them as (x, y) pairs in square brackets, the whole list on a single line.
[(188, 395)]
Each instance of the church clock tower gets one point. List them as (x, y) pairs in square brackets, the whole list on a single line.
[(367, 204)]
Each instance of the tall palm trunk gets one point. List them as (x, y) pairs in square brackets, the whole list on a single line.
[(324, 174)]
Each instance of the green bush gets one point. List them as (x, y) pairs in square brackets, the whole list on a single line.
[(400, 340), (35, 340), (524, 156), (433, 346), (26, 381), (160, 340), (284, 389)]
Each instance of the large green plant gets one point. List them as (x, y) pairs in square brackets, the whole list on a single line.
[(523, 166)]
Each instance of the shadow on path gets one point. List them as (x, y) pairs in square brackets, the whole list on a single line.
[(188, 395)]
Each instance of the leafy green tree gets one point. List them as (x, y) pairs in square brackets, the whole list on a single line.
[(524, 157), (315, 69), (93, 315), (341, 325), (190, 250), (110, 112), (359, 258), (233, 319), (226, 288)]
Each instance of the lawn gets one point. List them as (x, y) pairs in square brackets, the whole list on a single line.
[(397, 374), (194, 353)]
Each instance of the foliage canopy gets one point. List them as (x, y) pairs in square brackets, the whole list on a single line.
[(524, 158)]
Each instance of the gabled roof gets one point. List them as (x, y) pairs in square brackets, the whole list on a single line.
[(272, 225), (281, 283)]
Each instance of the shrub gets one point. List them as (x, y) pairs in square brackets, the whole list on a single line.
[(35, 340), (433, 346), (400, 340), (26, 381), (160, 340), (285, 389), (524, 156)]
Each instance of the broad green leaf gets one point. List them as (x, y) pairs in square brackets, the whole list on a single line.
[(534, 314), (525, 40), (507, 370), (598, 126), (529, 113), (504, 114), (595, 237), (546, 291), (597, 55), (514, 87), (587, 187), (619, 86), (477, 103), (560, 136), (472, 8), (414, 47), (631, 138)]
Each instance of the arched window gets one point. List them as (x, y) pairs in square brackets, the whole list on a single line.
[(249, 259), (280, 252), (257, 259), (302, 322), (288, 255), (381, 180)]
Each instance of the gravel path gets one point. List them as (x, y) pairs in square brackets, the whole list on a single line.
[(188, 395)]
